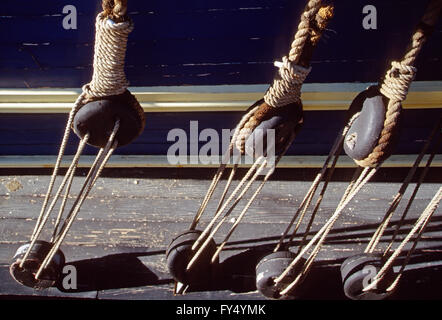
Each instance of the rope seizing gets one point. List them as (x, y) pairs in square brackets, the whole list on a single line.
[(395, 87), (108, 82), (293, 70)]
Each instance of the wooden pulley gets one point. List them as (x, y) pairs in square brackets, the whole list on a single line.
[(98, 118), (26, 274), (358, 271), (363, 135), (269, 268), (179, 253), (286, 121)]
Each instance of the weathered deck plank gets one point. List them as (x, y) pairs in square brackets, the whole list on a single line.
[(126, 224)]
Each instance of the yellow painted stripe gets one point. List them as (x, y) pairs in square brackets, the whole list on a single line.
[(423, 95), (151, 161)]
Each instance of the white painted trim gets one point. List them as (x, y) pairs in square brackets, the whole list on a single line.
[(315, 96), (152, 161)]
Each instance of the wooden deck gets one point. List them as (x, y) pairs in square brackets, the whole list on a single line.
[(119, 240)]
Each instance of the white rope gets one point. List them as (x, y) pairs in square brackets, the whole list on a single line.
[(397, 81), (322, 233), (416, 188), (262, 163), (221, 210), (220, 171), (109, 54), (70, 174), (254, 195), (305, 204), (44, 214), (419, 227), (64, 141), (108, 79), (90, 180), (396, 201), (287, 89)]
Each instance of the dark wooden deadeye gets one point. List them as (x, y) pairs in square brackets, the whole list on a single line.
[(106, 115), (368, 139), (279, 114)]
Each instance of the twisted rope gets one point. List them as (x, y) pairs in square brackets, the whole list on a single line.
[(303, 32), (108, 79), (305, 204), (396, 83), (321, 235), (397, 199), (92, 176), (287, 89), (109, 54), (418, 229), (395, 87), (293, 69)]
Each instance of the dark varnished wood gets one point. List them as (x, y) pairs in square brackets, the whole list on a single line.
[(119, 240)]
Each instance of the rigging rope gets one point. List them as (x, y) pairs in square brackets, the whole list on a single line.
[(112, 30), (293, 70), (305, 40), (418, 229), (397, 82), (420, 221), (109, 77), (397, 199), (395, 87)]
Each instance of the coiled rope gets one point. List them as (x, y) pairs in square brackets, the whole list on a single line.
[(109, 77)]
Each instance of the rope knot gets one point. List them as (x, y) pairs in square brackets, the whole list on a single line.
[(287, 89), (397, 81), (115, 9)]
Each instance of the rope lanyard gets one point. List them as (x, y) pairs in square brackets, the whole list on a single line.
[(292, 70), (397, 199), (284, 90), (418, 229), (421, 221), (395, 87), (108, 79)]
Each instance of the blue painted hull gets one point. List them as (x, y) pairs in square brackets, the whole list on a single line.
[(207, 42), (204, 43), (40, 134)]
